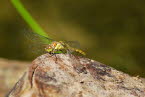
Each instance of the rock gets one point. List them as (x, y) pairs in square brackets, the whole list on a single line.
[(10, 72), (63, 75)]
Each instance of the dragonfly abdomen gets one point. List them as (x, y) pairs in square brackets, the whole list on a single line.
[(78, 51)]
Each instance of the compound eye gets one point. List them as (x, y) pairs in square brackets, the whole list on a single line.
[(49, 47)]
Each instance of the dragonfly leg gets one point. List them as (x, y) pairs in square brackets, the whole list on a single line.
[(55, 58), (69, 52), (53, 54)]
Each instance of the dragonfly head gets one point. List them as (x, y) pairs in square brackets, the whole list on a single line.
[(48, 48)]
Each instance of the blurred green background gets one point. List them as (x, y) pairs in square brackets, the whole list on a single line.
[(111, 32)]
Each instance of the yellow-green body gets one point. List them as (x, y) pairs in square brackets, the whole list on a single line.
[(61, 46)]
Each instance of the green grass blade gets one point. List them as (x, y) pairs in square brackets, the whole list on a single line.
[(29, 19)]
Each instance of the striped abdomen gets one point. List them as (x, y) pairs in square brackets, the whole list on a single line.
[(78, 51)]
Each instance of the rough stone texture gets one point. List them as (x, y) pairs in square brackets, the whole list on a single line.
[(65, 75), (10, 72)]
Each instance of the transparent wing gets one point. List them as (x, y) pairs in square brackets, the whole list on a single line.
[(74, 44), (36, 38), (76, 48), (35, 43)]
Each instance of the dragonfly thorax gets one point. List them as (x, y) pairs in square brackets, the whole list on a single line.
[(54, 46)]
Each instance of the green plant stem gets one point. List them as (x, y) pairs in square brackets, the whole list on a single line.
[(28, 18)]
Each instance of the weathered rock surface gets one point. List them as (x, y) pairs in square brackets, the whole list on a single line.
[(10, 72), (71, 76)]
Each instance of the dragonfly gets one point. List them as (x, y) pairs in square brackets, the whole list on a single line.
[(53, 47), (63, 47)]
